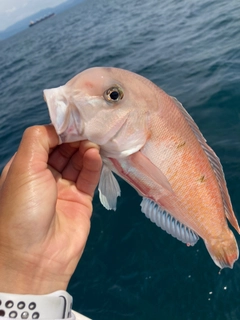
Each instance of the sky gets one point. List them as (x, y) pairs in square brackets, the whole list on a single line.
[(12, 11)]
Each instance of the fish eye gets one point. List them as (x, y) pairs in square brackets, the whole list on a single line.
[(113, 94)]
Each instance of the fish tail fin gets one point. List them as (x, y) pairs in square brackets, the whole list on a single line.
[(223, 252)]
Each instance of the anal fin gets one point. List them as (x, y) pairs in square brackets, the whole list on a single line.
[(168, 223)]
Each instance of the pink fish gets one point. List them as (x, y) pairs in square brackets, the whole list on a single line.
[(148, 139)]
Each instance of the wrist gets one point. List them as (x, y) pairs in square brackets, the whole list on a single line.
[(23, 277)]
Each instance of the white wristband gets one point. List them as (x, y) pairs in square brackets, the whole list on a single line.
[(56, 305)]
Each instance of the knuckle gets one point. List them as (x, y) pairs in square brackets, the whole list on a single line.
[(34, 131)]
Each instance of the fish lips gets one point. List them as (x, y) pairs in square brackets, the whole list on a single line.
[(61, 116)]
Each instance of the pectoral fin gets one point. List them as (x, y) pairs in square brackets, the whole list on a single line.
[(108, 189), (144, 165), (148, 180)]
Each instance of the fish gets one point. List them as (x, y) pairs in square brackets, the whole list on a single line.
[(147, 138)]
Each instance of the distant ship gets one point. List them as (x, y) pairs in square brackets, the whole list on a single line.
[(32, 23)]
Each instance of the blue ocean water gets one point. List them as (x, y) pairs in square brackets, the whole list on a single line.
[(130, 268)]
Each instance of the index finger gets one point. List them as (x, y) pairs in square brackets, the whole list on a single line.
[(90, 173)]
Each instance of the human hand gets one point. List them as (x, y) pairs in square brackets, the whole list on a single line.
[(46, 195)]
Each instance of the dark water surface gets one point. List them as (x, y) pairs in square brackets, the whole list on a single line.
[(131, 269)]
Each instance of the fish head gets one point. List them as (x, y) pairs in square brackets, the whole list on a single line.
[(107, 106)]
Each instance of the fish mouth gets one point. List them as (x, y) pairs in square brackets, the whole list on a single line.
[(70, 135), (61, 115)]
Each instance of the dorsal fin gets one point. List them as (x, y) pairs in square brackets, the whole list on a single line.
[(168, 223), (215, 164)]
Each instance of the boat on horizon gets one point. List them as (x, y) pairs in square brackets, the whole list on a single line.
[(32, 23)]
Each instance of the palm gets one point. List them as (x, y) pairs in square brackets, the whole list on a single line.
[(71, 224), (67, 215)]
